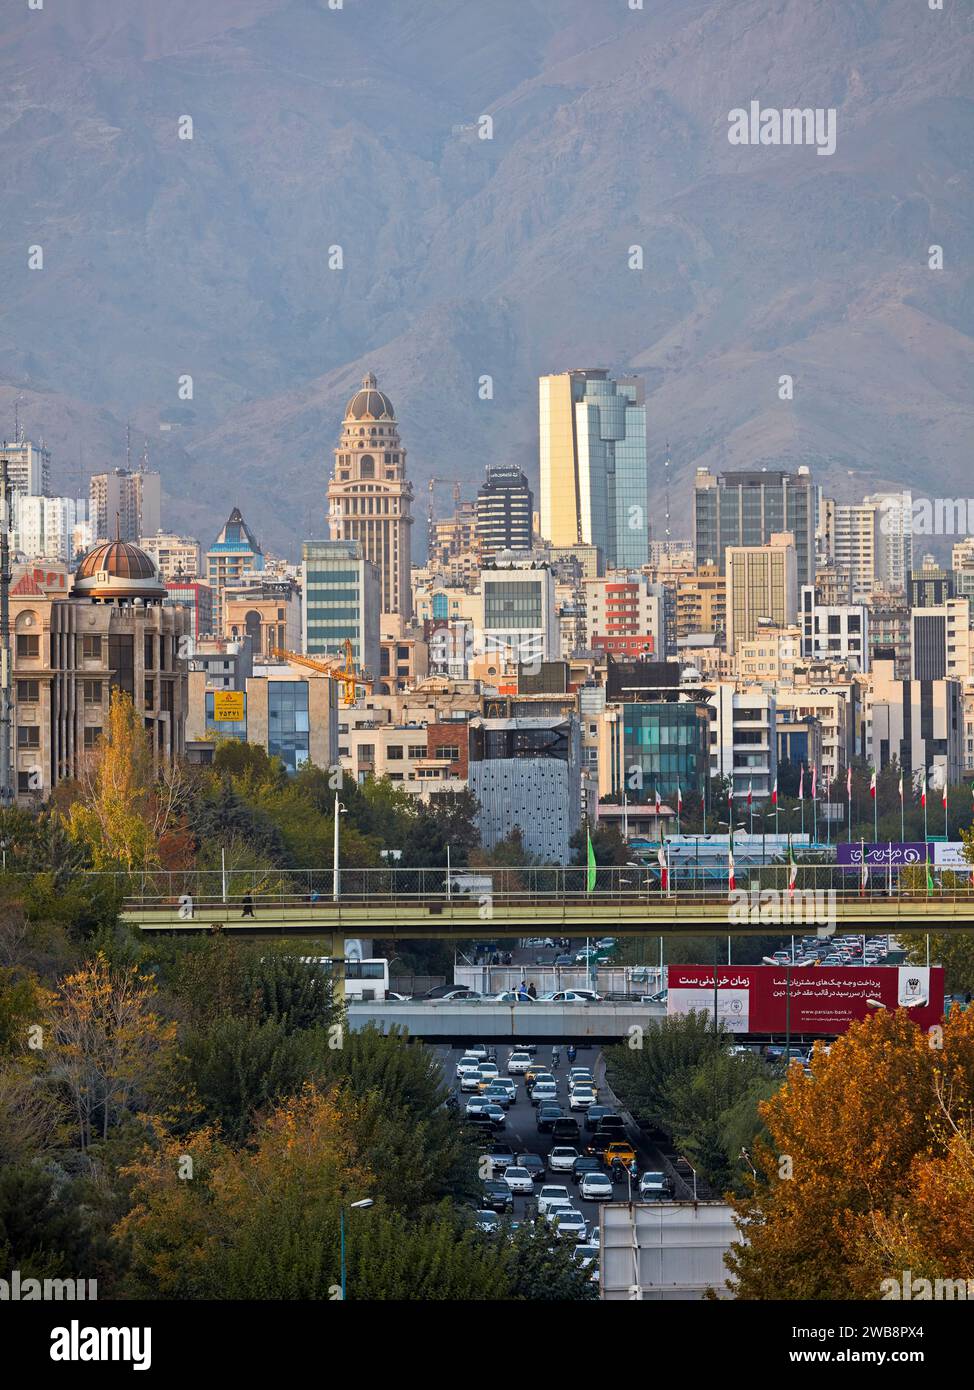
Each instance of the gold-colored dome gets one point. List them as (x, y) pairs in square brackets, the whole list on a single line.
[(120, 559)]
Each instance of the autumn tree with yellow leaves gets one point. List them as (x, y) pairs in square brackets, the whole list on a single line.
[(128, 806), (109, 1045), (869, 1166)]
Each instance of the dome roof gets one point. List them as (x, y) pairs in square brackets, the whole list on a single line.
[(369, 403), (117, 558), (118, 569)]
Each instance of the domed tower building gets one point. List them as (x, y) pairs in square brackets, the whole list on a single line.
[(369, 496), (114, 631)]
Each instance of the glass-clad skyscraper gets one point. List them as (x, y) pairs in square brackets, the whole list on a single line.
[(594, 471), (745, 508)]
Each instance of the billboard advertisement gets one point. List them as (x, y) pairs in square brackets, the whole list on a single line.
[(809, 998), (879, 856), (228, 706)]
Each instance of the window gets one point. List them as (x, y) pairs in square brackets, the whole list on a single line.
[(24, 783), (450, 751), (28, 692), (28, 736), (92, 691), (28, 645), (92, 735), (417, 750), (394, 752), (148, 693)]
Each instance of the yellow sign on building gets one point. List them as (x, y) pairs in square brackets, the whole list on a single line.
[(228, 706)]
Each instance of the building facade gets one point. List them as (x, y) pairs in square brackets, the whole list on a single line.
[(125, 503), (369, 496), (747, 508), (505, 504), (342, 599), (526, 773)]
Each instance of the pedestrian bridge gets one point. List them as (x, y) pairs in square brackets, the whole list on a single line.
[(528, 914), (443, 1020)]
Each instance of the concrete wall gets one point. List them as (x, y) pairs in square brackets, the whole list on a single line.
[(443, 1020)]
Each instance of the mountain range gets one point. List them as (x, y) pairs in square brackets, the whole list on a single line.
[(354, 133)]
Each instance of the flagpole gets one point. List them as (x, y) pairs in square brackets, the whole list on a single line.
[(902, 821), (876, 808), (924, 796)]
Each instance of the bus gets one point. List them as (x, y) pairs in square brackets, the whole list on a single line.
[(364, 979)]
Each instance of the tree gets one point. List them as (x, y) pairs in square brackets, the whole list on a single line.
[(607, 844), (264, 1222), (643, 1076), (541, 1270), (110, 1045), (953, 950), (841, 1160), (125, 806)]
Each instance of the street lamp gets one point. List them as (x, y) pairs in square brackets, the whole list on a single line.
[(340, 810), (353, 1206)]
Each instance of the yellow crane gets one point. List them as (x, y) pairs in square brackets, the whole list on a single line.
[(347, 676)]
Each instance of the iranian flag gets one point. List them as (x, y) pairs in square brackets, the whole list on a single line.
[(657, 803), (943, 798), (679, 800), (872, 785), (731, 881), (848, 783), (774, 793), (664, 868), (901, 788), (749, 796), (792, 870), (801, 784), (923, 789), (814, 783)]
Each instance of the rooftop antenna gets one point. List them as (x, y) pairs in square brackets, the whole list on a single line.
[(666, 491), (128, 446), (145, 455), (18, 428)]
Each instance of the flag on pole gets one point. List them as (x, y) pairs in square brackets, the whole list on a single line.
[(863, 869), (814, 783), (929, 879), (730, 870), (774, 793), (657, 803), (848, 783), (801, 784), (923, 789), (664, 869), (872, 785), (679, 799), (792, 870), (590, 874), (944, 796), (901, 787), (749, 796)]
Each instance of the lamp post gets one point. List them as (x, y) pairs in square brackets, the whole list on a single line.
[(340, 810), (352, 1206)]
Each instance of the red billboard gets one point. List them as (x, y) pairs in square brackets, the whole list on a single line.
[(821, 999)]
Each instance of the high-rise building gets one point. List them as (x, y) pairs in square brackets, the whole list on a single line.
[(762, 587), (625, 615), (174, 555), (746, 508), (519, 613), (917, 723), (342, 598), (857, 546), (701, 603), (265, 609), (369, 496), (930, 586), (44, 527), (834, 632), (894, 547), (940, 641), (594, 474), (28, 468), (234, 553), (125, 503), (504, 506), (654, 734)]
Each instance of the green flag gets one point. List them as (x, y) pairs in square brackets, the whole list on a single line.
[(929, 879), (590, 876)]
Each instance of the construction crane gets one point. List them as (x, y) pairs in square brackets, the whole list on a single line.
[(347, 676), (430, 524)]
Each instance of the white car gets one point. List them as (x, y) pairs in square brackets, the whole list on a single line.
[(519, 1179), (562, 1160), (478, 1050), (544, 1090), (549, 1193), (580, 1074), (581, 1097), (467, 1064), (570, 1225), (572, 996), (596, 1187), (487, 1071), (476, 1105), (518, 1063), (470, 1081)]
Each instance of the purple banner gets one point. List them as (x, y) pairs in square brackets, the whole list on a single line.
[(879, 856)]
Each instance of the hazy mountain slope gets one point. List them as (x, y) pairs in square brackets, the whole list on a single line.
[(466, 257)]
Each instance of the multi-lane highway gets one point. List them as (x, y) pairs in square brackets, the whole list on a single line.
[(521, 1132)]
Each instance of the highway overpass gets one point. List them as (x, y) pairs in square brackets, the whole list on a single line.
[(443, 1020)]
